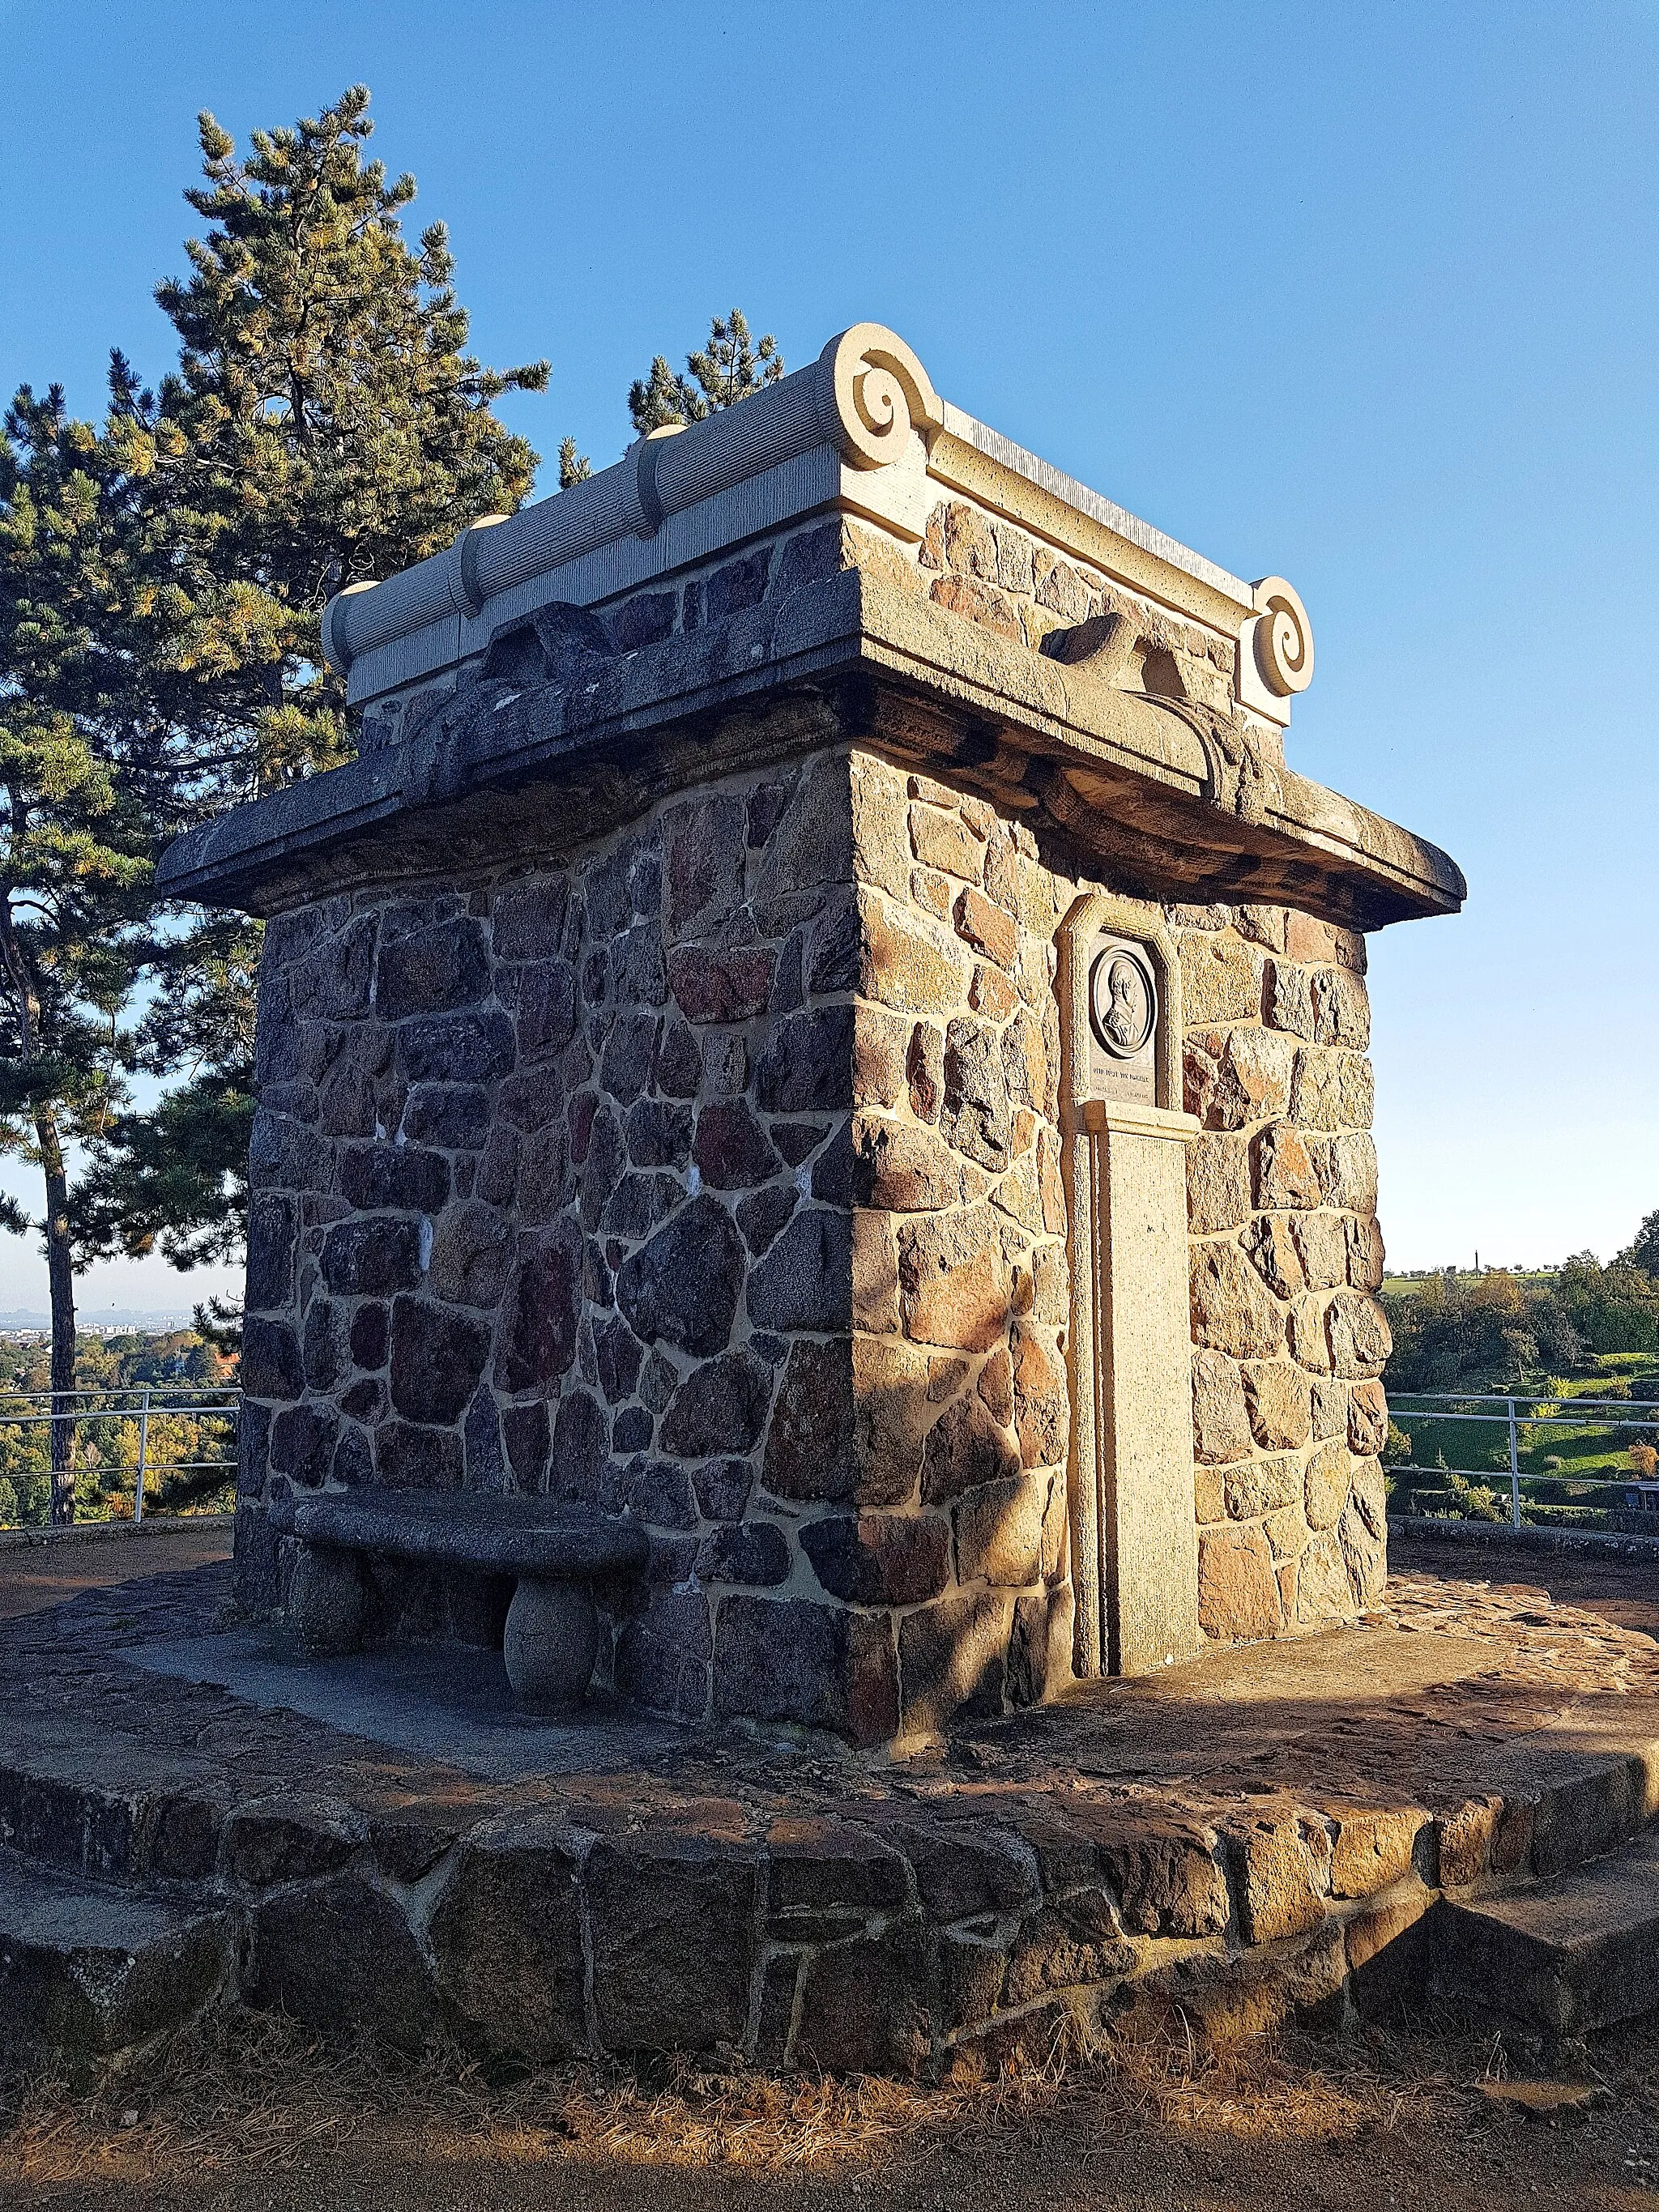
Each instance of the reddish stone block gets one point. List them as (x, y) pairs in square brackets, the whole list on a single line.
[(1237, 1589)]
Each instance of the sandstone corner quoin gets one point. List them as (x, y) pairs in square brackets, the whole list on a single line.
[(821, 1024)]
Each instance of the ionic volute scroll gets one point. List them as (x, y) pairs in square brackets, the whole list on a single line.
[(871, 393)]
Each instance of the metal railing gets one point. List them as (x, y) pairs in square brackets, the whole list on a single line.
[(1564, 1412), (139, 1402)]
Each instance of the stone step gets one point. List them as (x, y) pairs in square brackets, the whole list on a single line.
[(86, 1969), (95, 1801), (1579, 1952)]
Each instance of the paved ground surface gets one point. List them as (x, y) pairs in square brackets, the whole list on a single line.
[(1458, 1687), (35, 1576), (1624, 1591)]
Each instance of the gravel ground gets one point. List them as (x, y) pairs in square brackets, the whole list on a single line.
[(1385, 2122)]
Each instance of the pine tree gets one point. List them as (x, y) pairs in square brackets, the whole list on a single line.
[(175, 1180), (1643, 1251), (334, 425), (731, 367), (161, 584), (75, 844)]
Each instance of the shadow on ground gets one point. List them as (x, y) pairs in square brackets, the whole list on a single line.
[(259, 2116)]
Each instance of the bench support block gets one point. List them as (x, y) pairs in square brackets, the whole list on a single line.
[(551, 1641), (325, 1600)]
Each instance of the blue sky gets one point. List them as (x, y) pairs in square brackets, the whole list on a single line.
[(1364, 296)]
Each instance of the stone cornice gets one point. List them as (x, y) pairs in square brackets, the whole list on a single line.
[(1155, 792)]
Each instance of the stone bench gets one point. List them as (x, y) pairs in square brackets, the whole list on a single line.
[(554, 1552)]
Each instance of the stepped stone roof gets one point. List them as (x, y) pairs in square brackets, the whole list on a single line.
[(941, 594)]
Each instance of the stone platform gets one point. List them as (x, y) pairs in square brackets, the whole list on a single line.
[(189, 1815)]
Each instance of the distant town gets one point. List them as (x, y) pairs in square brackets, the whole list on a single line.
[(25, 1326)]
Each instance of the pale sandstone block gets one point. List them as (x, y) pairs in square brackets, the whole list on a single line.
[(1217, 1184), (1348, 1172), (995, 1385), (890, 1416), (1247, 1079), (999, 1532), (1365, 1555), (1321, 1239), (906, 964), (881, 842), (1274, 1255), (1286, 1172), (875, 1272), (1220, 980), (1280, 1403), (991, 994), (1258, 1486), (1368, 1418), (1237, 1589), (1332, 1090), (1309, 1346), (931, 892), (879, 1044), (1365, 1253), (1326, 1485), (1019, 1196), (1286, 1532), (957, 1288), (1322, 1592), (943, 841), (903, 1166), (1221, 1425), (1263, 925), (1232, 1311), (1041, 1405), (1374, 1846), (1360, 1339), (1330, 1407)]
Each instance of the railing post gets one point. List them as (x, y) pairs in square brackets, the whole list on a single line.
[(1514, 1468), (143, 1453)]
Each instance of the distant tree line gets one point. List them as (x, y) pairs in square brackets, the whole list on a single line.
[(1497, 1332), (163, 573)]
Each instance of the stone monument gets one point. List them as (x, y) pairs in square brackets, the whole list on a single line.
[(821, 1026)]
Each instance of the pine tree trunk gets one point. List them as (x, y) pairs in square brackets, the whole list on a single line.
[(60, 1259), (60, 1279)]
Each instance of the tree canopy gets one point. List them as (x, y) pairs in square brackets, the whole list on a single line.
[(733, 366), (162, 579)]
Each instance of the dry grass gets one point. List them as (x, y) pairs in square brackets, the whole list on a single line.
[(253, 2092)]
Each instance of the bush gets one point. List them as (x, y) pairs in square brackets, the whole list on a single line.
[(1644, 1462), (1477, 1502)]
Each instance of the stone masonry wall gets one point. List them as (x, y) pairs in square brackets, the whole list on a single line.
[(554, 1184), (713, 1179), (1288, 1415)]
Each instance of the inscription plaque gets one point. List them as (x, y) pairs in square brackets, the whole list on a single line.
[(1123, 1018)]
